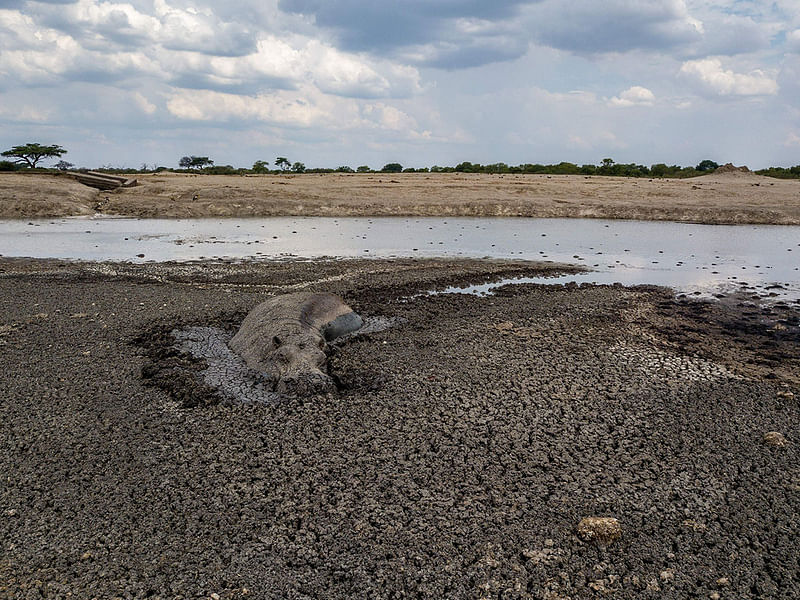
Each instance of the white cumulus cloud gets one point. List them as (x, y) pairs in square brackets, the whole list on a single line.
[(634, 96), (711, 76)]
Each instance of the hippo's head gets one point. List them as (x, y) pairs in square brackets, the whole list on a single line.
[(297, 365)]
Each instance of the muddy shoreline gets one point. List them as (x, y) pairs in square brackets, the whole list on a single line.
[(455, 460), (727, 198)]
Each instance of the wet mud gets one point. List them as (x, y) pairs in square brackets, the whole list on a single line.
[(462, 455)]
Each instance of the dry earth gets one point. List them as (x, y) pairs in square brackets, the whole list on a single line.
[(718, 198), (456, 459)]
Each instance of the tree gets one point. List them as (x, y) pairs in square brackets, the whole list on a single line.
[(707, 165), (344, 169), (363, 169), (283, 163), (468, 167), (31, 154), (659, 170), (261, 167), (298, 167), (63, 165), (392, 168), (195, 162)]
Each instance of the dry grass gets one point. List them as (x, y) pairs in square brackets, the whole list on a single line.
[(726, 198)]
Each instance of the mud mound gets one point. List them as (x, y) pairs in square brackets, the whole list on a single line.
[(729, 168)]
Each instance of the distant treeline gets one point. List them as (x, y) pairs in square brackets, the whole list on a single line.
[(781, 172), (608, 167)]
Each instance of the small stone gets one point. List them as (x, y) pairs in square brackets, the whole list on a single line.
[(504, 326), (86, 556), (723, 581), (714, 596), (652, 585), (695, 525), (601, 530), (774, 439), (214, 596), (667, 575)]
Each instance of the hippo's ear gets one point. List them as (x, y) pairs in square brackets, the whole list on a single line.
[(277, 341)]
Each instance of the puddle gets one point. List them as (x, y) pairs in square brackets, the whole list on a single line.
[(691, 258)]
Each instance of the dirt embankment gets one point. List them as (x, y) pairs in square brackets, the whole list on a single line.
[(732, 198), (457, 458)]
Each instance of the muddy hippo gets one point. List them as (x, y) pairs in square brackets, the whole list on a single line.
[(285, 338)]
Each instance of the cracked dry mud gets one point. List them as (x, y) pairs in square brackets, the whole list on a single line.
[(462, 448)]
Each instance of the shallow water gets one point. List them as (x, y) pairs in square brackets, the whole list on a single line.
[(689, 257)]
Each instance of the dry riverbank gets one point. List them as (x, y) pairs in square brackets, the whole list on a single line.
[(455, 460), (731, 198)]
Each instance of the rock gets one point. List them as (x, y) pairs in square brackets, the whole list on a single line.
[(600, 530), (694, 525), (723, 582), (774, 439), (504, 326)]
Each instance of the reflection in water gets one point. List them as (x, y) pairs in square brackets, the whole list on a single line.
[(689, 257)]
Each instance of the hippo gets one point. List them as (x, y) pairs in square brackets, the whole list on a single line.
[(286, 336)]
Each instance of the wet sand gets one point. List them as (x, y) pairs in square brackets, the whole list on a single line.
[(728, 198), (455, 460)]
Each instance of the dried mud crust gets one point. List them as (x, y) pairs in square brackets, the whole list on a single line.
[(499, 425)]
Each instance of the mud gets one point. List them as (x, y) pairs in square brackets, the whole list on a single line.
[(457, 457)]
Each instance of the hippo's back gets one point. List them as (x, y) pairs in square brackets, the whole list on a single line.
[(286, 318)]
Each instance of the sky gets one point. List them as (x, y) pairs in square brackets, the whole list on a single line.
[(420, 82)]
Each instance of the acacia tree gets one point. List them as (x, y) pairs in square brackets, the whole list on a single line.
[(31, 154), (260, 166), (283, 163), (195, 162)]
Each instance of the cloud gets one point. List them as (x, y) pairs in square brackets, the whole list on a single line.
[(18, 3), (634, 96), (449, 34), (275, 108), (789, 80), (172, 28), (793, 41), (735, 34), (710, 76), (145, 46), (306, 107), (588, 26), (436, 79), (144, 104)]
